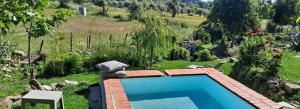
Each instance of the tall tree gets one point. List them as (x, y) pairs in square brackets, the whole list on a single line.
[(154, 40), (173, 7), (31, 15), (266, 10), (103, 4), (236, 16), (286, 11)]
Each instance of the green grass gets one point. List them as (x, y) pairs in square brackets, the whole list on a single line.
[(181, 64), (291, 67), (75, 96)]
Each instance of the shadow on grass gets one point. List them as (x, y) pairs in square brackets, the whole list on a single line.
[(85, 91)]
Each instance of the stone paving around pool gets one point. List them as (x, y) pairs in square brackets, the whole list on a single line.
[(116, 97)]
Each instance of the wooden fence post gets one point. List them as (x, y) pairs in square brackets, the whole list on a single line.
[(125, 39), (90, 37), (110, 40), (71, 41)]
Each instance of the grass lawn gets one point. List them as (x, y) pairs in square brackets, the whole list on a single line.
[(75, 97), (291, 67)]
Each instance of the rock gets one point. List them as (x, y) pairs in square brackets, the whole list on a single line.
[(291, 88), (295, 103), (194, 66), (35, 84), (53, 85), (284, 105), (47, 88), (20, 54), (6, 104), (232, 60), (14, 98), (68, 82)]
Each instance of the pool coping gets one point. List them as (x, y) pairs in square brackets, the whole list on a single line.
[(116, 98)]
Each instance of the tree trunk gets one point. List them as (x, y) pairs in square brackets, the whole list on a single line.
[(29, 57)]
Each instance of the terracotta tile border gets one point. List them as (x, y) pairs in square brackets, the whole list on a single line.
[(115, 96), (252, 97), (143, 73)]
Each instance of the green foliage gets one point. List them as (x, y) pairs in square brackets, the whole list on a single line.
[(256, 60), (271, 27), (135, 10), (266, 9), (209, 32), (204, 55), (121, 18), (179, 53), (6, 48), (236, 17), (286, 11), (297, 96), (298, 21), (103, 4), (173, 7), (71, 64), (154, 40), (203, 35)]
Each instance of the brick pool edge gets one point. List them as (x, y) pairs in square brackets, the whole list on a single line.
[(116, 98)]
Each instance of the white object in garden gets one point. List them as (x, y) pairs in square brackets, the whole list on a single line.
[(82, 11), (45, 97), (194, 66), (111, 66)]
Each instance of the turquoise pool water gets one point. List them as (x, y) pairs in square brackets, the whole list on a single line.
[(180, 92)]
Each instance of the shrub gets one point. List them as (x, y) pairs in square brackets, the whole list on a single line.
[(297, 96), (179, 53), (271, 27), (72, 64), (201, 34), (204, 55), (54, 68), (120, 18), (184, 25)]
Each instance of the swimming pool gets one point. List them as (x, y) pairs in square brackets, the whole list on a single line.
[(180, 92)]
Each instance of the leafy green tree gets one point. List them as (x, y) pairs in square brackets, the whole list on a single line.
[(173, 7), (286, 11), (266, 10), (298, 21), (236, 16), (103, 4), (32, 17), (135, 10), (154, 40)]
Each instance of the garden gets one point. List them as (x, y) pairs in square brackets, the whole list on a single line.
[(50, 45)]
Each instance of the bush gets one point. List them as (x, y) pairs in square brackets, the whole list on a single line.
[(179, 53), (271, 27), (204, 55), (120, 18), (72, 64), (201, 34), (54, 68), (184, 25), (297, 96)]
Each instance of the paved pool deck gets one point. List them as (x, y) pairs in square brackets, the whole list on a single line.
[(116, 97)]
